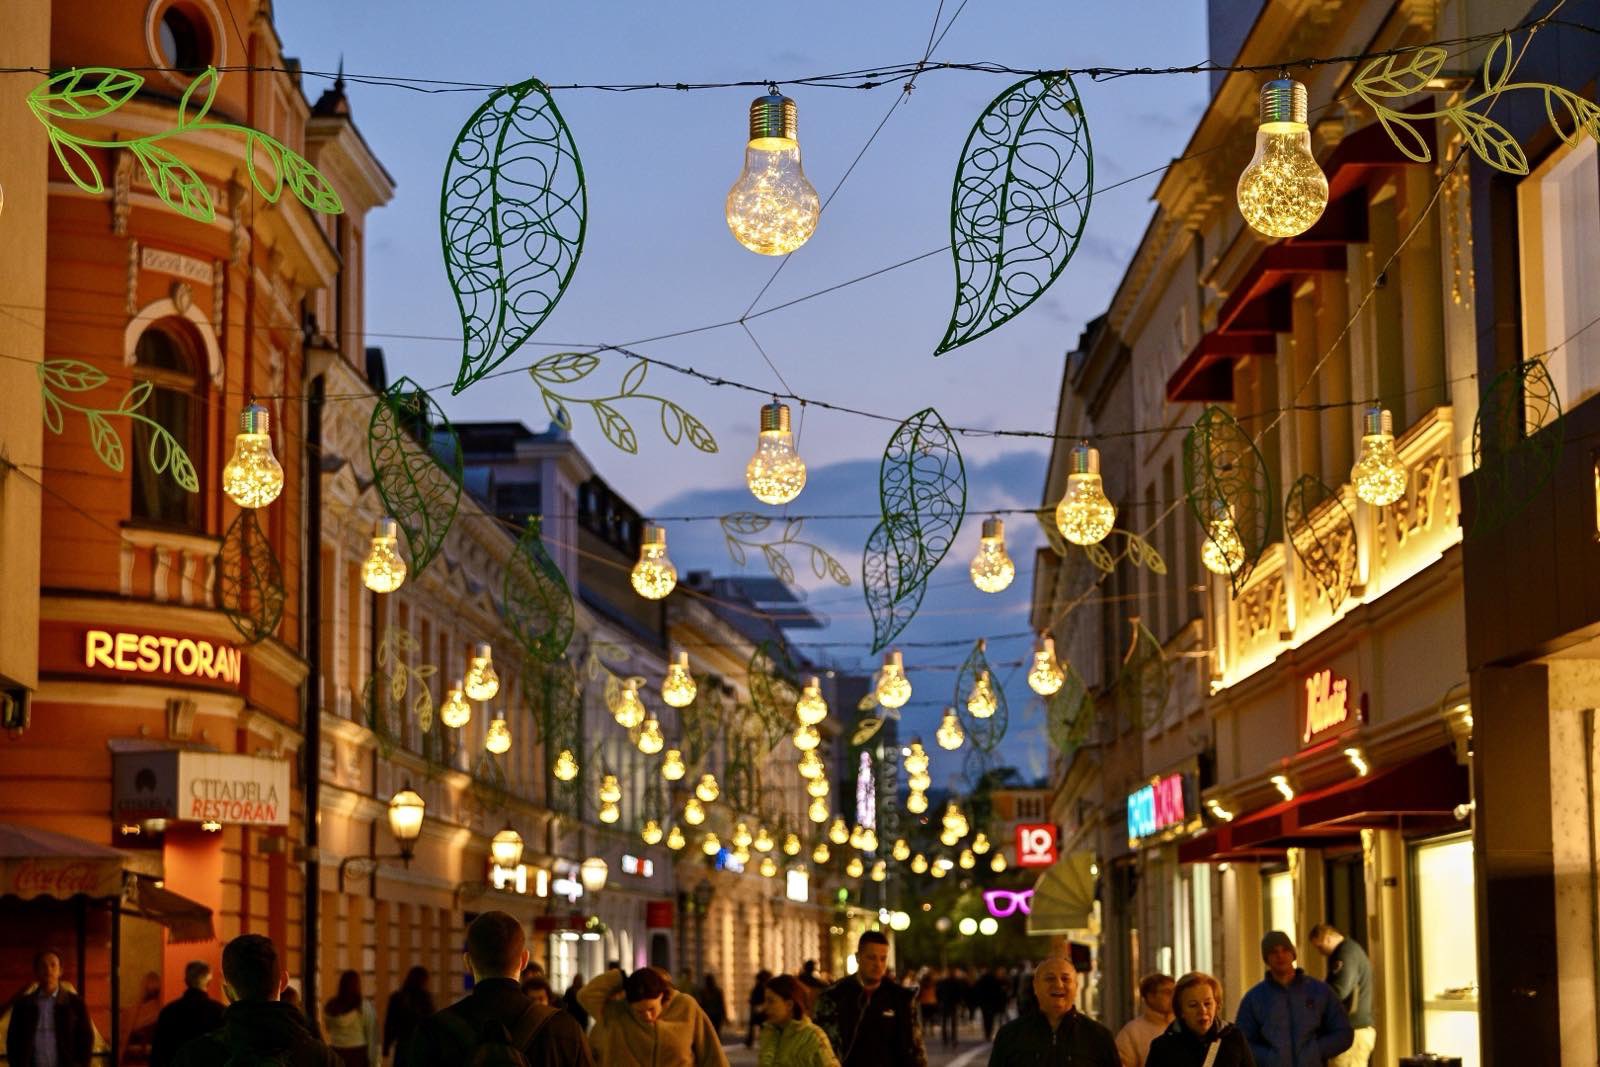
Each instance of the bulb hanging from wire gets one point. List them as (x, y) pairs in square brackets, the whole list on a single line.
[(707, 789), (1084, 515), (901, 850), (820, 853), (497, 738), (869, 839), (967, 860), (916, 760), (672, 766), (992, 570), (610, 790), (817, 787), (694, 813), (919, 864), (980, 843), (1223, 551), (997, 862), (455, 712), (1282, 192), (776, 473), (855, 868), (838, 832), (772, 209), (609, 813), (654, 576), (742, 837), (482, 683), (253, 478), (384, 571), (769, 867), (791, 844), (982, 702), (916, 802), (630, 710), (566, 767), (811, 709), (650, 833), (880, 871), (651, 739), (675, 839), (678, 688), (763, 841), (950, 734), (818, 811), (806, 738), (894, 688), (710, 845), (920, 782), (811, 765), (1046, 675), (1378, 475)]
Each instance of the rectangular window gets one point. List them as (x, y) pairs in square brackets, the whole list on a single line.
[(1200, 886), (1278, 897), (1446, 948), (1558, 208)]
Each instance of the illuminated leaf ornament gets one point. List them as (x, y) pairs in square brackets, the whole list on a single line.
[(513, 210), (1145, 679), (737, 531), (555, 692), (70, 102), (250, 588), (417, 465), (565, 368), (1230, 493), (1019, 204), (984, 724), (58, 377), (1512, 461), (1323, 535), (398, 691), (536, 602)]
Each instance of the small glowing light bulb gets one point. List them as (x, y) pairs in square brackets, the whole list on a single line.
[(838, 832), (654, 576), (950, 734), (769, 869), (998, 862), (1084, 515), (855, 868), (916, 802), (967, 860), (776, 473), (791, 844), (694, 813), (706, 789), (1282, 192), (818, 811), (676, 840), (817, 787), (939, 871), (806, 738), (672, 766), (1046, 675), (948, 837), (710, 845), (650, 833), (741, 856), (455, 712), (894, 688), (855, 837), (921, 782), (1378, 474), (678, 688), (992, 570), (384, 571), (869, 840), (630, 710), (919, 864), (763, 841), (811, 766), (742, 837), (880, 871), (482, 683), (901, 850), (497, 738), (253, 478), (820, 854), (982, 702), (610, 789), (1223, 551), (772, 209), (566, 768), (811, 709), (651, 739), (916, 760), (610, 813), (980, 844)]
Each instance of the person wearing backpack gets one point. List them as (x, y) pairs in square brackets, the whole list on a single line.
[(257, 1028), (497, 1025)]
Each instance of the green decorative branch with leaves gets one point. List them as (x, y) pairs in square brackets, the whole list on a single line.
[(565, 368), (740, 525), (1135, 549), (69, 376)]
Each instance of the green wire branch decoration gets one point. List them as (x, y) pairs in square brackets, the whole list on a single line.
[(1135, 549), (774, 682), (397, 690), (1229, 489), (1322, 533), (867, 727), (59, 376), (984, 734), (536, 601), (1145, 679), (564, 368), (417, 464), (740, 525), (1069, 711), (1399, 76), (87, 94), (251, 590), (1019, 204), (512, 215), (556, 692), (1517, 441)]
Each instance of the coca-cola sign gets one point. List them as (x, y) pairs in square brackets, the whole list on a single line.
[(62, 878)]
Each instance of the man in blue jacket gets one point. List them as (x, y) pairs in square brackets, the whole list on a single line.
[(1290, 1018)]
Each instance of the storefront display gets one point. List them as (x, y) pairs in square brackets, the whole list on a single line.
[(1444, 924)]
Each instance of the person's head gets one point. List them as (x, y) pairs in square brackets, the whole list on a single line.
[(711, 981), (808, 967), (534, 969), (646, 991), (1325, 937), (250, 969), (416, 980), (613, 965), (1278, 953), (537, 989), (1198, 998), (1156, 992), (784, 998), (150, 987), (348, 996), (872, 957), (290, 995), (1055, 983), (496, 946), (577, 982), (762, 975), (47, 969), (197, 975)]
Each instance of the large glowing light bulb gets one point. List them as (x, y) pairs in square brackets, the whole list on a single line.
[(950, 734), (1283, 191), (707, 789), (672, 766), (811, 709), (678, 688), (497, 738), (455, 712), (992, 570), (1084, 515), (654, 576), (742, 837), (880, 871), (1045, 677), (610, 790), (676, 840), (651, 833), (818, 811), (791, 844), (481, 683), (609, 813), (920, 782), (694, 813), (997, 863), (772, 209), (253, 478), (980, 844), (916, 759), (1223, 551), (982, 702), (869, 839), (894, 688), (776, 473), (651, 739), (1378, 474), (384, 571), (811, 765), (769, 867), (817, 787), (806, 738), (566, 768), (966, 860), (630, 710), (763, 841)]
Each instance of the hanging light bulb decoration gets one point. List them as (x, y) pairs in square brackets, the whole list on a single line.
[(997, 863), (763, 841), (1046, 677), (855, 868), (741, 856), (950, 735), (610, 790), (901, 850), (678, 688), (742, 837), (253, 478), (1282, 191), (1378, 474), (672, 766), (992, 570), (654, 576), (694, 813), (919, 864), (939, 869), (384, 571), (772, 209), (1084, 515), (916, 760), (455, 712), (818, 811), (651, 832), (838, 832), (630, 710), (981, 701), (916, 802), (948, 837), (920, 783), (651, 740), (769, 868), (706, 789), (710, 845), (880, 871), (675, 839), (894, 688), (806, 738), (966, 861), (811, 709), (980, 843), (776, 473), (1223, 551), (566, 766), (820, 853), (481, 682), (817, 787), (497, 738), (791, 844), (855, 837), (811, 766), (869, 839)]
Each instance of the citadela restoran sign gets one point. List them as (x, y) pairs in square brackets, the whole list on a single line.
[(200, 787)]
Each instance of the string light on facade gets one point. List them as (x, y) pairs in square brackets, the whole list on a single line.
[(1282, 191), (694, 813), (901, 850), (776, 473), (981, 701), (1218, 811), (791, 844), (566, 766), (710, 845), (1223, 551), (672, 766), (806, 738), (630, 710), (650, 833), (1358, 760), (811, 766), (651, 740), (654, 576), (997, 863), (707, 789), (818, 810), (1281, 783), (992, 569), (1046, 677), (1378, 474), (481, 682), (811, 709), (678, 688), (610, 789), (675, 839), (455, 712), (497, 738), (772, 208), (919, 864), (383, 571), (950, 735), (894, 688), (855, 868), (820, 854), (253, 478), (1085, 516), (763, 841)]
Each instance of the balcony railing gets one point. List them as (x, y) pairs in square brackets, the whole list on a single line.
[(169, 567)]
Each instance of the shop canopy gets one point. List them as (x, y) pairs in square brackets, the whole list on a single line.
[(1063, 897)]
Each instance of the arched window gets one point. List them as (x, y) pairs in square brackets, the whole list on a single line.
[(167, 359)]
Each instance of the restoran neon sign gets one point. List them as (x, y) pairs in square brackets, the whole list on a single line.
[(138, 653)]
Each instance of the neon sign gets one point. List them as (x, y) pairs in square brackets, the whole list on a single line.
[(1036, 845), (137, 653), (866, 794), (1156, 807), (1003, 903), (1327, 706)]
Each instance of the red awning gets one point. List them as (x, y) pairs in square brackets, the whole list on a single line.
[(1423, 791), (1206, 374)]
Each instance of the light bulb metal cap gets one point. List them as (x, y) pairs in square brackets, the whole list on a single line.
[(386, 528), (773, 115), (654, 535), (483, 651), (1085, 459), (994, 528), (893, 659), (775, 417), (1283, 100), (1377, 421), (254, 419)]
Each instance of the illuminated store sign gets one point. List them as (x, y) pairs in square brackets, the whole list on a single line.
[(1003, 903), (1036, 844), (200, 787), (138, 653), (798, 887), (510, 879), (634, 865), (1327, 707), (1155, 808), (866, 794)]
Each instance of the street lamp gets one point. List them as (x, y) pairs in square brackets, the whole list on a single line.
[(593, 872), (506, 847), (406, 809)]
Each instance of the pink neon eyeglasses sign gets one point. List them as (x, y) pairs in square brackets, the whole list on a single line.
[(1004, 903)]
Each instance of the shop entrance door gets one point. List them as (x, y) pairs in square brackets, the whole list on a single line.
[(1345, 894)]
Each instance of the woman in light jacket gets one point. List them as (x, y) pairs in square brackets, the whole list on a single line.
[(788, 1037), (352, 1024)]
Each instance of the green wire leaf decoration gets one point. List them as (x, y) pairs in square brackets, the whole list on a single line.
[(1069, 711), (702, 722), (866, 729), (87, 94), (741, 778), (774, 690), (513, 211), (1226, 481), (417, 464), (1323, 534), (564, 368), (397, 691), (976, 765), (536, 601), (883, 570), (1145, 679), (1517, 440), (556, 693), (740, 525), (65, 376), (983, 734), (250, 581), (1019, 204), (1399, 76)]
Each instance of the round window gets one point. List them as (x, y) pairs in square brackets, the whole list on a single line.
[(183, 36)]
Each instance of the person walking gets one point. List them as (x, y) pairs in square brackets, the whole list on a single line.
[(1199, 1037), (757, 1000), (952, 990), (1058, 1032), (408, 1006), (870, 1022), (813, 980), (140, 1029), (569, 1002), (497, 1012), (188, 1017), (927, 998), (788, 1037), (1350, 978), (49, 1022), (990, 993), (256, 1025), (714, 1003), (352, 1023), (644, 1022), (1289, 1018), (1155, 1000)]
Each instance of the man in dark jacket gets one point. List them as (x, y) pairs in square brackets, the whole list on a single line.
[(1290, 1018), (49, 1013), (870, 1022), (1058, 1032), (497, 1009), (256, 1024), (1350, 978), (186, 1018)]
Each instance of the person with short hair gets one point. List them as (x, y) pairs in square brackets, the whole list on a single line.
[(49, 1022), (1199, 1037), (788, 1037), (1289, 1018), (188, 1017), (1350, 978), (537, 989), (868, 1021), (256, 1023), (1058, 1032), (643, 1022), (1155, 1000)]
